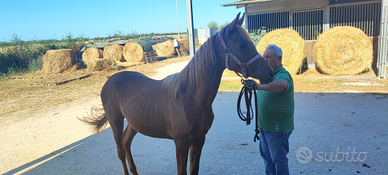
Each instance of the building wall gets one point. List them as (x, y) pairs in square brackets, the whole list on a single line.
[(201, 35)]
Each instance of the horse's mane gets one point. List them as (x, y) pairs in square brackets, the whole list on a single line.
[(197, 69)]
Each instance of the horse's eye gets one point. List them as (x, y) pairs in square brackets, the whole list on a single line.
[(242, 45)]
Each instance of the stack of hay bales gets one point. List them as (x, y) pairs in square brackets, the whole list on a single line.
[(134, 49), (163, 47), (91, 54), (102, 64), (343, 50), (57, 61), (292, 45), (114, 51)]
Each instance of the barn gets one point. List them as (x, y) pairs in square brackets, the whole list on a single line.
[(311, 18)]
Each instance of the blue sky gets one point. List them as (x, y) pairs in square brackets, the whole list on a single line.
[(38, 19)]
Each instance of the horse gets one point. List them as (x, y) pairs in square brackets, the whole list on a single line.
[(178, 107)]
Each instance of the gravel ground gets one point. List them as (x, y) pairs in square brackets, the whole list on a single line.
[(335, 133)]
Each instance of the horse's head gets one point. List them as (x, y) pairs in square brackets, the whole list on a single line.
[(241, 54)]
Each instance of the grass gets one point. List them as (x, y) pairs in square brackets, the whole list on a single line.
[(316, 81), (230, 85)]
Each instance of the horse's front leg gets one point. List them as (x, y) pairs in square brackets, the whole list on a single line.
[(195, 154), (182, 152)]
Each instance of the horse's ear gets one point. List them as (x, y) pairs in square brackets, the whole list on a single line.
[(234, 22), (241, 20)]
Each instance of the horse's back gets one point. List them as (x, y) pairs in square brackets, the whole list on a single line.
[(140, 100)]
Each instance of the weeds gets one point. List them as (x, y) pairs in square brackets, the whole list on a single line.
[(18, 56)]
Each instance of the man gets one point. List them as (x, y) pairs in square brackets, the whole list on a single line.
[(275, 114), (176, 45)]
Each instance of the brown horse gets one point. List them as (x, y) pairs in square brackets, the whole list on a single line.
[(178, 107)]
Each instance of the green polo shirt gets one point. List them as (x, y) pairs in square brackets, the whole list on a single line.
[(276, 109)]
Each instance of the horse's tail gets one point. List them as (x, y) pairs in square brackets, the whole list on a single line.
[(97, 117)]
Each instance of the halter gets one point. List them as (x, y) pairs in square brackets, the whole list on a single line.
[(243, 65)]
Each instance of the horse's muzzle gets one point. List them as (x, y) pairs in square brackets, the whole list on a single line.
[(268, 80)]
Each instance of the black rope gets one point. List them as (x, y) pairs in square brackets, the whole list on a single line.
[(247, 91)]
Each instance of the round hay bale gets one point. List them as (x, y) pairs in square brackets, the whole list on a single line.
[(91, 54), (164, 49), (102, 64), (133, 52), (57, 61), (292, 45), (343, 50), (114, 51), (184, 43)]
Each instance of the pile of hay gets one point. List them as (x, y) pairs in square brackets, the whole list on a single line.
[(92, 54), (292, 45), (134, 49), (114, 51), (57, 61), (343, 50), (102, 64)]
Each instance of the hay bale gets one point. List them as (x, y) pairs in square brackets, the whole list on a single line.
[(114, 51), (184, 43), (165, 48), (102, 64), (57, 61), (133, 52), (292, 45), (91, 54), (343, 50)]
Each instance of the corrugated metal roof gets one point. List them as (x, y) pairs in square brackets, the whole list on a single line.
[(239, 4)]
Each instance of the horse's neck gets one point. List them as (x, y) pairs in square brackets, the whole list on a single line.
[(208, 88), (208, 75)]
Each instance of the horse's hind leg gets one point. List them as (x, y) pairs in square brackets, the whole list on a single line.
[(117, 128), (195, 154), (129, 133)]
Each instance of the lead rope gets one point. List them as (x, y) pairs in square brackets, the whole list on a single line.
[(247, 90)]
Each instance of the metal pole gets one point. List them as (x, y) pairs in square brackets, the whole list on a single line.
[(190, 29), (382, 58), (177, 17)]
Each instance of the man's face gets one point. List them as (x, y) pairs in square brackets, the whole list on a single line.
[(271, 58)]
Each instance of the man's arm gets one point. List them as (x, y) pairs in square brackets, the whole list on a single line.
[(275, 86)]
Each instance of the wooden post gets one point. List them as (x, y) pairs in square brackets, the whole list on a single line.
[(190, 29)]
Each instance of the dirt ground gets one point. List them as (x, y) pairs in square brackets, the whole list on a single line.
[(38, 119)]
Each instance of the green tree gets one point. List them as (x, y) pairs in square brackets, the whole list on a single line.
[(212, 24), (223, 25)]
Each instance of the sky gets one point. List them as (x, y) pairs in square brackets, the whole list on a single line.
[(39, 19)]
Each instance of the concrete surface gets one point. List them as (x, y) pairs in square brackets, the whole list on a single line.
[(352, 127)]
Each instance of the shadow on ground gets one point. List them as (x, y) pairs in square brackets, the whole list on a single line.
[(345, 133)]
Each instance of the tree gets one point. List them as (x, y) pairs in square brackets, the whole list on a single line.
[(212, 24), (223, 25)]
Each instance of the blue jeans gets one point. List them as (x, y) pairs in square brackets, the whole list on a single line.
[(274, 148)]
